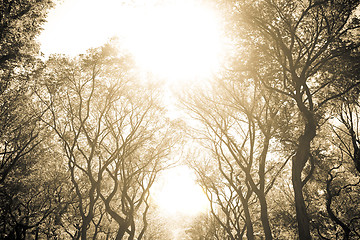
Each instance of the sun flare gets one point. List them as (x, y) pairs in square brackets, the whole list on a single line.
[(179, 40)]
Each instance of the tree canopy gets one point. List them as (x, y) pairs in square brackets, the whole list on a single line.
[(273, 138)]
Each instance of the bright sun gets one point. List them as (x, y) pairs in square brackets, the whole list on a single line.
[(176, 39)]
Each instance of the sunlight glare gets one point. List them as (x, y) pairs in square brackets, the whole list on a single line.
[(178, 40), (177, 192), (171, 39)]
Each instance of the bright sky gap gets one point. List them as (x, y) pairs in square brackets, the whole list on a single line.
[(172, 39)]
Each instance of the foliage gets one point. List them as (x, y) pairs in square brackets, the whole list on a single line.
[(291, 48), (24, 202), (82, 139), (292, 42), (104, 117), (20, 23), (238, 131)]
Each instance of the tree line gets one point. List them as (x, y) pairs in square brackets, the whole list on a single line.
[(83, 139), (281, 124)]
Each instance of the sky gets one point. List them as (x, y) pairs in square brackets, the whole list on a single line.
[(175, 40), (73, 26)]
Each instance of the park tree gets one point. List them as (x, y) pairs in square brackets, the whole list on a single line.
[(342, 171), (205, 226), (83, 139), (34, 195), (332, 193), (158, 227), (239, 122), (342, 179), (23, 208), (114, 137), (342, 200), (20, 23), (291, 46)]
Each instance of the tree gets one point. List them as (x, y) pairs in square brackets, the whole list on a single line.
[(32, 196), (205, 226), (20, 23), (22, 207), (343, 182), (291, 43), (113, 136), (158, 227), (348, 132), (239, 119)]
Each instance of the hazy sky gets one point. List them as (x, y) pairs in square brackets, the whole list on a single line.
[(175, 39), (76, 25)]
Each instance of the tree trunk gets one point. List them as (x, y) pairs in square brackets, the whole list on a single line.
[(298, 165), (83, 232), (261, 192), (332, 215), (264, 217), (132, 231), (121, 232), (301, 214), (263, 207), (37, 233), (248, 223), (84, 227)]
